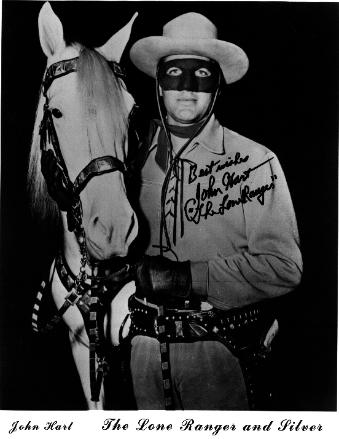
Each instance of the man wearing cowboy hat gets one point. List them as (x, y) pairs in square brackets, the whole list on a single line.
[(221, 236)]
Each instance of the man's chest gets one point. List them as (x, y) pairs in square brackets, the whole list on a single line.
[(200, 200)]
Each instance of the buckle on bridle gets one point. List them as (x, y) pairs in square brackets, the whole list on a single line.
[(117, 69)]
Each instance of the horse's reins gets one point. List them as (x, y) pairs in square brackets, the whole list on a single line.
[(87, 292)]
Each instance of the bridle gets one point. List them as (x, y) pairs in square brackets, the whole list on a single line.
[(89, 292), (48, 135)]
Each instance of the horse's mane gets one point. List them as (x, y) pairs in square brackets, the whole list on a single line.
[(104, 108)]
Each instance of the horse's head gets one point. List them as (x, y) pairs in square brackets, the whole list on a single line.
[(84, 108)]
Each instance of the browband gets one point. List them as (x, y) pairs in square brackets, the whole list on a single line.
[(57, 70), (61, 68)]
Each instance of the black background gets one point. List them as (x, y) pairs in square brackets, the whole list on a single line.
[(288, 101)]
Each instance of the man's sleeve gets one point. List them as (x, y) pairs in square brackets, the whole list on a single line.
[(271, 265)]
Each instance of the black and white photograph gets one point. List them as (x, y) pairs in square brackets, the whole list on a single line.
[(169, 207)]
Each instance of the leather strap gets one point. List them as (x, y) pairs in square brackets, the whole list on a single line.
[(98, 166), (241, 330), (48, 135), (57, 70), (165, 360)]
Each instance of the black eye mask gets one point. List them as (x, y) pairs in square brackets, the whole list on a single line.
[(188, 79)]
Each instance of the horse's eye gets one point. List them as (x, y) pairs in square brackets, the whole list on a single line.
[(56, 113)]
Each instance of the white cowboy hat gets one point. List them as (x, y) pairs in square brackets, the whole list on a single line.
[(190, 34)]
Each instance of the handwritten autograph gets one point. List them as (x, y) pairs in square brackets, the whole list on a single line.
[(202, 207), (214, 167)]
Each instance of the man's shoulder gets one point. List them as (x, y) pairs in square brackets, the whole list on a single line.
[(235, 142)]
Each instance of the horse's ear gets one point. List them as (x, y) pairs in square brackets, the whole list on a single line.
[(51, 32), (113, 49)]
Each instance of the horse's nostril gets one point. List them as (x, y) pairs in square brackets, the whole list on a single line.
[(98, 227)]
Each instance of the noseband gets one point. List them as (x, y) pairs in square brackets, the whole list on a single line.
[(48, 136)]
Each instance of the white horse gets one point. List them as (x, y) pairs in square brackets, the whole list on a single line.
[(83, 120)]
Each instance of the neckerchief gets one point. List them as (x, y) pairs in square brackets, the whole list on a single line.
[(163, 149)]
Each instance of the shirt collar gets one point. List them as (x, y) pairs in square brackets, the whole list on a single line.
[(211, 138)]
